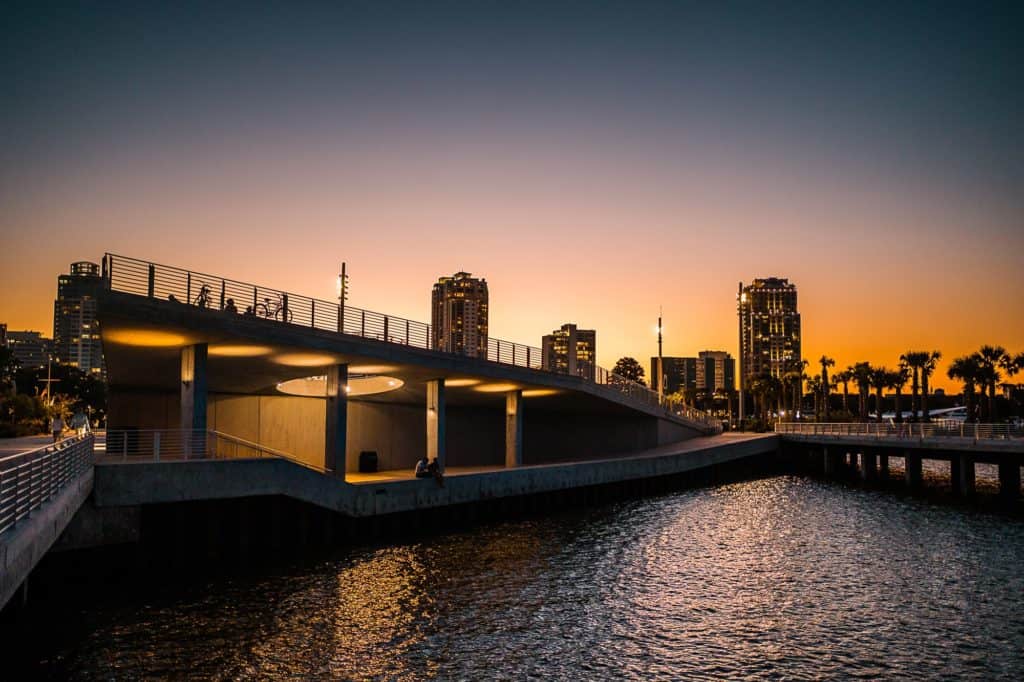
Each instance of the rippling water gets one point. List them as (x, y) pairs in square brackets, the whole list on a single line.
[(783, 577)]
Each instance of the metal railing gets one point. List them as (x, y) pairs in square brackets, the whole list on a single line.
[(29, 479), (227, 296), (939, 429), (169, 445)]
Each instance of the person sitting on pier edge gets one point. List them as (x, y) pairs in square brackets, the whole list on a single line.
[(422, 470), (229, 306), (434, 470)]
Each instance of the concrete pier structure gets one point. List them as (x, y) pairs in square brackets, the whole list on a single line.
[(964, 480), (1009, 479), (868, 471), (912, 469)]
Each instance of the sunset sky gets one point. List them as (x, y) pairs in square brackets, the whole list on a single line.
[(591, 160)]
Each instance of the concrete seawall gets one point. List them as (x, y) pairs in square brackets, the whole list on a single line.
[(146, 483)]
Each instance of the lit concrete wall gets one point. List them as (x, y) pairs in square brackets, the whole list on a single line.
[(397, 433), (142, 409)]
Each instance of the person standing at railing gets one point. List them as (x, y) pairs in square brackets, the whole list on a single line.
[(57, 427)]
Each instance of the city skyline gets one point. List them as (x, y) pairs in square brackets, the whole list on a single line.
[(869, 162), (628, 341)]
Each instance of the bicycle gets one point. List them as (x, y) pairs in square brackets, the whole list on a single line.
[(203, 299), (273, 310)]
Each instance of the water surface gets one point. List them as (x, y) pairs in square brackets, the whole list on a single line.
[(785, 577)]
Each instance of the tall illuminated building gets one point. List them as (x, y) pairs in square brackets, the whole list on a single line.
[(569, 350), (769, 326), (459, 315), (76, 334)]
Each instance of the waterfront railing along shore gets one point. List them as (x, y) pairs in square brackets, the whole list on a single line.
[(152, 280), (915, 430), (29, 479)]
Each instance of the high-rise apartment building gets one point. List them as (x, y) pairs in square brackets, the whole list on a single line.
[(30, 349), (459, 315), (769, 326), (570, 351), (76, 333), (716, 371), (680, 373), (712, 371)]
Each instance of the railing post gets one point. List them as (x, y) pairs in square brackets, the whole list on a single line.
[(407, 332), (386, 339), (188, 288), (513, 353), (312, 313), (255, 297), (156, 446), (362, 324), (284, 307), (222, 287), (528, 357), (498, 352), (152, 281)]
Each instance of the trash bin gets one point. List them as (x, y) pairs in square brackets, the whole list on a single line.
[(368, 461)]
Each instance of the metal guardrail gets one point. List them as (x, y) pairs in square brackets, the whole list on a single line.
[(29, 479), (152, 280), (940, 429), (169, 445)]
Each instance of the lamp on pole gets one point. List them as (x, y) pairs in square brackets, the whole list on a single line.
[(342, 297), (661, 373)]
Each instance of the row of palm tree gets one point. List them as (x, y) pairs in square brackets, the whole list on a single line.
[(982, 368)]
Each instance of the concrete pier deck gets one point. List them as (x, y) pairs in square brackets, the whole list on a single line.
[(132, 484)]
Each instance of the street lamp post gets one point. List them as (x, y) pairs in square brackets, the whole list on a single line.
[(342, 297), (661, 372)]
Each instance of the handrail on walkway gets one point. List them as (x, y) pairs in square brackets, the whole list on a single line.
[(29, 479), (169, 445), (152, 280), (937, 429)]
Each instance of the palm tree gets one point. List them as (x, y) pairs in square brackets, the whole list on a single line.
[(880, 378), (826, 386), (899, 380), (814, 388), (927, 369), (862, 375), (991, 359), (967, 370), (845, 377), (914, 359)]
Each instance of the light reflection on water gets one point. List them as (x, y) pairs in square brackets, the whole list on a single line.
[(781, 577)]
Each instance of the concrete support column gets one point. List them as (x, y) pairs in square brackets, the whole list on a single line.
[(1009, 480), (955, 470), (912, 469), (336, 424), (514, 429), (883, 467), (963, 484), (436, 422), (829, 461), (193, 397), (867, 468)]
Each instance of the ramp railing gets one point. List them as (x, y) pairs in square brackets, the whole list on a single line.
[(30, 479), (228, 296), (170, 445)]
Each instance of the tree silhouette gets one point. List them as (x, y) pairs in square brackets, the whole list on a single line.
[(629, 368)]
